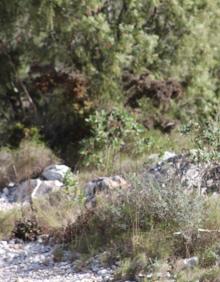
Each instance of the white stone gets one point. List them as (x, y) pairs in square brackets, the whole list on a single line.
[(55, 172), (168, 155), (191, 262), (45, 187)]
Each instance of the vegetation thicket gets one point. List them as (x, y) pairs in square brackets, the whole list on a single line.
[(99, 85), (61, 60)]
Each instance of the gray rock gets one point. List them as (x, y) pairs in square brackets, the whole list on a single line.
[(168, 155), (45, 187), (186, 170), (55, 172), (191, 262), (6, 191), (24, 190), (104, 184), (34, 188)]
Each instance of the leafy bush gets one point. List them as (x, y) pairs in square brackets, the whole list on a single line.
[(136, 212), (27, 229), (100, 40), (73, 189), (209, 258), (208, 139), (205, 137), (130, 267), (200, 274), (167, 203), (115, 131)]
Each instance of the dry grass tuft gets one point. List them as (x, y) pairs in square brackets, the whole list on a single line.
[(8, 221), (27, 161)]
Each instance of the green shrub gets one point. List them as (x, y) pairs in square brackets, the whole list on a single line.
[(8, 221), (205, 137), (211, 275), (114, 132), (200, 274), (130, 267), (73, 189), (136, 214), (100, 40), (208, 139), (167, 202), (208, 258)]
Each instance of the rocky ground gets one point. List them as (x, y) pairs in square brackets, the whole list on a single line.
[(184, 168), (35, 261), (27, 262)]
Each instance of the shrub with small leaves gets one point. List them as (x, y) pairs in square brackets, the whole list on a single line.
[(27, 229), (209, 258), (207, 140), (116, 131), (130, 267), (73, 188)]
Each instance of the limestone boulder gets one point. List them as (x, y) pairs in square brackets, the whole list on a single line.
[(34, 188), (104, 184), (55, 172)]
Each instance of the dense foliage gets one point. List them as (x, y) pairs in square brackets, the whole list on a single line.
[(60, 60), (97, 85)]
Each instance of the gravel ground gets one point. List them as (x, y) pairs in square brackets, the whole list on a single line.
[(27, 262)]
